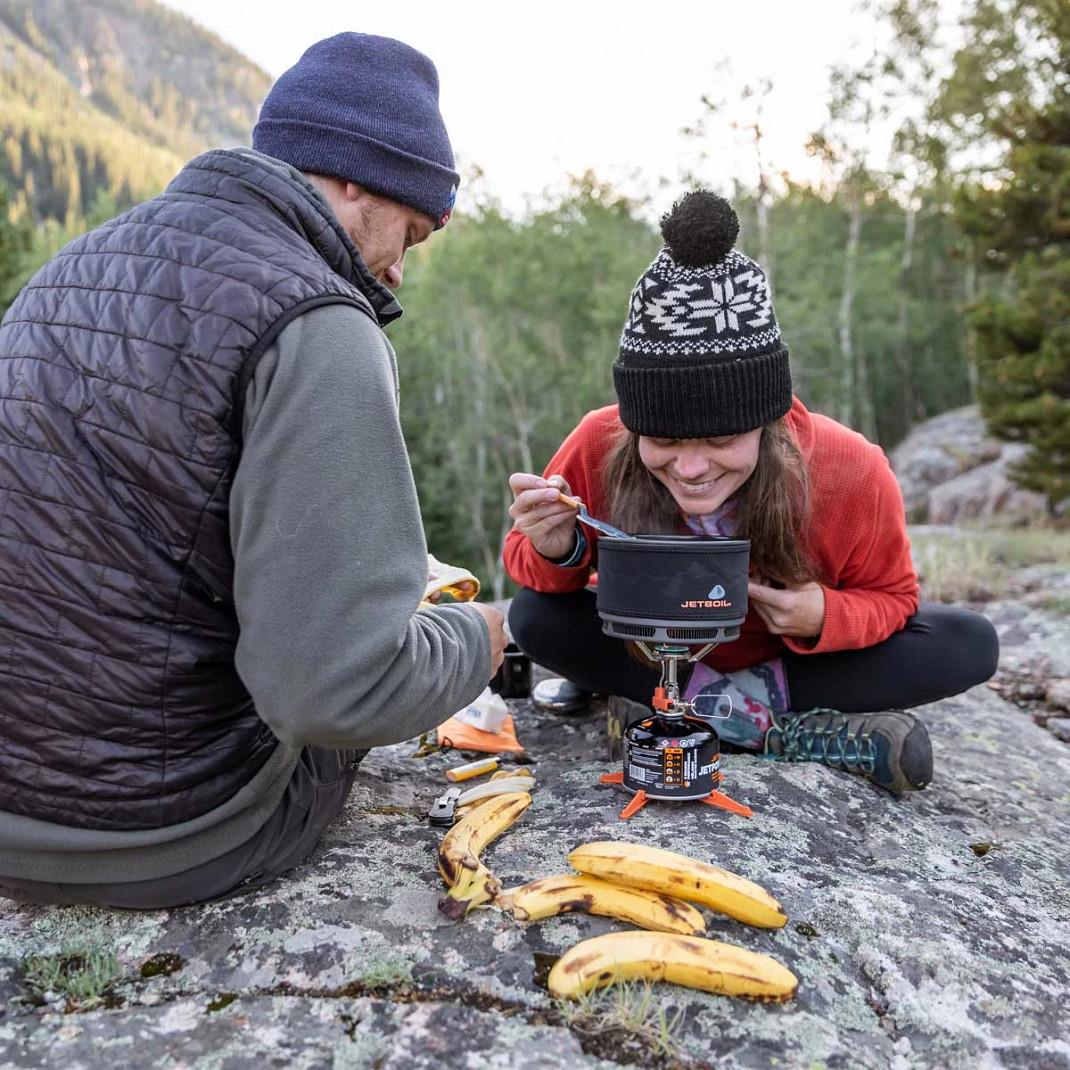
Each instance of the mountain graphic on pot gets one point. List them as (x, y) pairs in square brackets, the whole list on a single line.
[(716, 592)]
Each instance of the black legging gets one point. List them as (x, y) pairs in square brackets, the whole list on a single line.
[(940, 651)]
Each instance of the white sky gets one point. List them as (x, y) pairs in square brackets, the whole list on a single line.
[(533, 92)]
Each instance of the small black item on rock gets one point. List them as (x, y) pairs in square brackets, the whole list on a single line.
[(513, 678)]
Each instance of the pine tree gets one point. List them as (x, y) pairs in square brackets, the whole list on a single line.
[(15, 242), (1022, 227)]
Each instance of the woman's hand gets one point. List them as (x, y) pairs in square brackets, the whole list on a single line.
[(795, 611), (539, 513)]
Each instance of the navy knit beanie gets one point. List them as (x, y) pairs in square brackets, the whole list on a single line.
[(365, 109)]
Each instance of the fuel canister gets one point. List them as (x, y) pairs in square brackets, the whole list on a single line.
[(671, 757)]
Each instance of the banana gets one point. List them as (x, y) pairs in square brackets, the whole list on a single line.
[(677, 875), (470, 882), (560, 895), (692, 961)]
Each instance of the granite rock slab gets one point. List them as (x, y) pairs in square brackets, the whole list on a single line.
[(931, 931)]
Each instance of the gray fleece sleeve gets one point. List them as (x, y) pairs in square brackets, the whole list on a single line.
[(330, 561)]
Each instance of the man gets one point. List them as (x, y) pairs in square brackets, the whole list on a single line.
[(211, 550)]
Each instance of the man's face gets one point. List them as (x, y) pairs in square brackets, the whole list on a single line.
[(382, 230), (701, 473)]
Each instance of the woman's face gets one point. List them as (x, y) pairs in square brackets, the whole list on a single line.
[(701, 473)]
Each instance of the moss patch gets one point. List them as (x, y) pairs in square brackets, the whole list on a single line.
[(224, 999), (164, 964)]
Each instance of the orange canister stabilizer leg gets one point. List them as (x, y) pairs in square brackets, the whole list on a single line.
[(723, 802), (637, 804)]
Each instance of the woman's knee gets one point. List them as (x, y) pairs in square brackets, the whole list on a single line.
[(966, 644), (986, 643)]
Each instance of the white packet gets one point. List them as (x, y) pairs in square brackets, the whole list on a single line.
[(487, 712)]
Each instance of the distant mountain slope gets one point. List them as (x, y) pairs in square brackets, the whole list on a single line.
[(107, 98)]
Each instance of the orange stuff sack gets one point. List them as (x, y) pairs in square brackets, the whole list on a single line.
[(461, 736)]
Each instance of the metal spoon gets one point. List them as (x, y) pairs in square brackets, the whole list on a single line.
[(591, 522)]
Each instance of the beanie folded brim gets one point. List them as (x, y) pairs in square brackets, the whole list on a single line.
[(384, 169), (704, 400)]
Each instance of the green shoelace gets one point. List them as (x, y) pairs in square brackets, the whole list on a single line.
[(833, 744)]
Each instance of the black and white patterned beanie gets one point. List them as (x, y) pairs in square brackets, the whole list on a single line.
[(701, 354)]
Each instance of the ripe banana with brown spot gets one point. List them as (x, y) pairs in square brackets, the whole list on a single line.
[(658, 870), (470, 882), (692, 961), (568, 892)]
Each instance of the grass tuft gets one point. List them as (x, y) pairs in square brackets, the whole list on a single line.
[(83, 976), (625, 1012)]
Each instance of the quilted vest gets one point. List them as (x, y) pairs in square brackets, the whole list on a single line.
[(123, 365)]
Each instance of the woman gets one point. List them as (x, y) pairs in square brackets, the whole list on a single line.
[(707, 437)]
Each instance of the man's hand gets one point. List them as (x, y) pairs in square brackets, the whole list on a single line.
[(795, 611), (539, 513), (498, 639)]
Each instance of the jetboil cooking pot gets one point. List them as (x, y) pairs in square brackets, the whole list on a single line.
[(684, 589)]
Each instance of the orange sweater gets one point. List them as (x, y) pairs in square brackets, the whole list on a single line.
[(857, 537)]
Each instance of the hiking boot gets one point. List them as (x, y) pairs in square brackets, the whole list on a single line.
[(892, 748)]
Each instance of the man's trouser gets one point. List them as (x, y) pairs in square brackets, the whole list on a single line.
[(315, 796)]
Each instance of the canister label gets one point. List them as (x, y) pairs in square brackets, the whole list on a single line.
[(668, 771)]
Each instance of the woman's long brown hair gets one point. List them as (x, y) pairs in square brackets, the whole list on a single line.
[(772, 507)]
